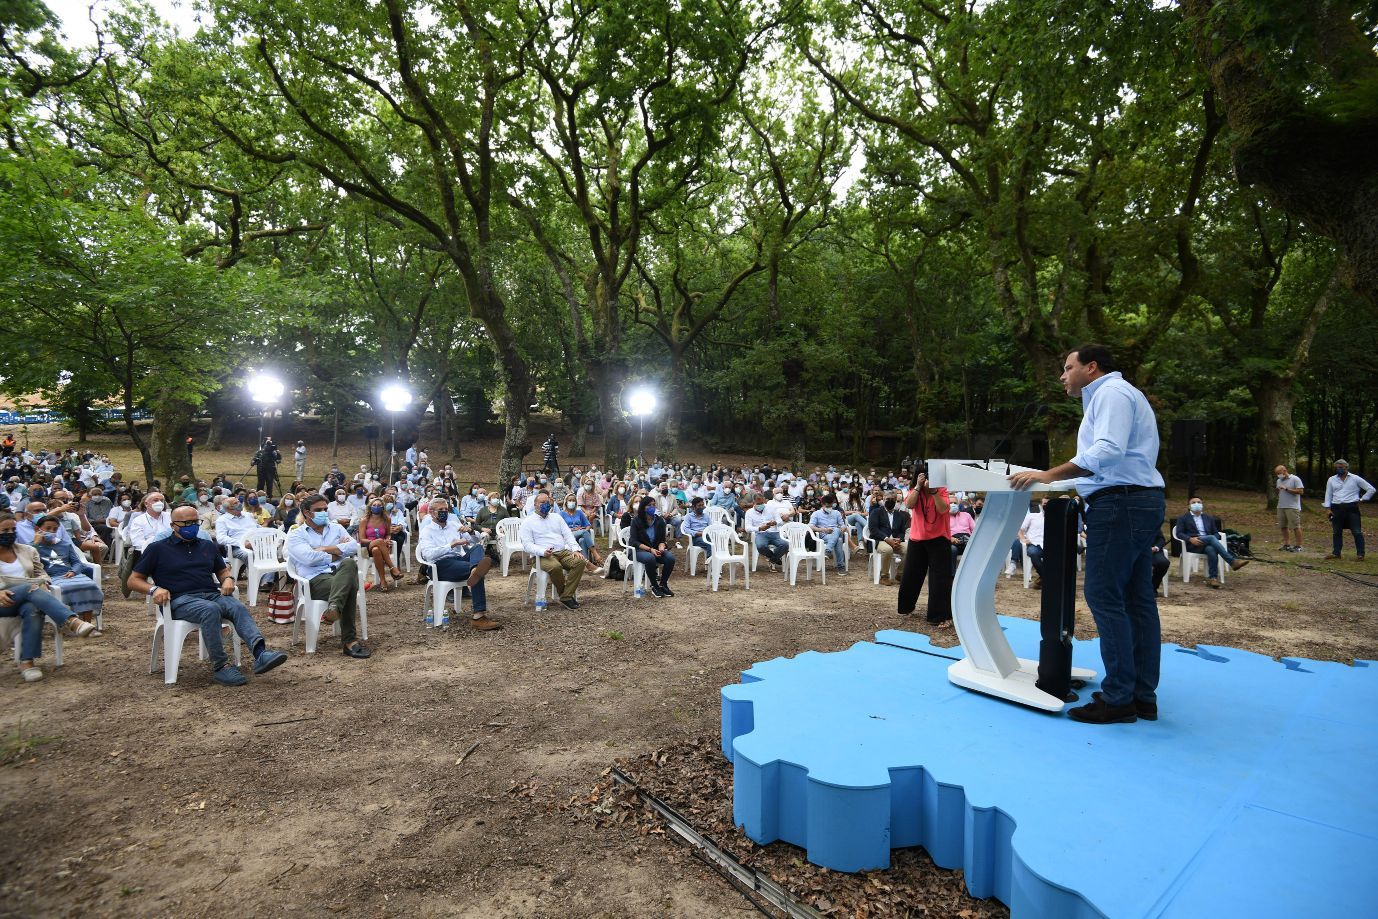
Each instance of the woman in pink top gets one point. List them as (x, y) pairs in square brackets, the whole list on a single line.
[(375, 535), (930, 552)]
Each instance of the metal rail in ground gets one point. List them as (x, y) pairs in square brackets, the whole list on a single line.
[(747, 879)]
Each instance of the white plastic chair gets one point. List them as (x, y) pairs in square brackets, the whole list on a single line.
[(874, 557), (172, 634), (308, 612), (436, 592), (537, 584), (636, 572), (266, 556), (1028, 568), (718, 515), (363, 561), (794, 534), (508, 533), (722, 538), (16, 624), (1190, 559), (118, 541)]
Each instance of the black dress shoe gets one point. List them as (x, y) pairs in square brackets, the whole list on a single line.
[(1148, 711), (1098, 712), (358, 651), (569, 604)]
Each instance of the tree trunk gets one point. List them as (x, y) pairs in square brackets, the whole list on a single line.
[(610, 379), (171, 421), (578, 444), (220, 416), (667, 442), (335, 435), (1276, 437)]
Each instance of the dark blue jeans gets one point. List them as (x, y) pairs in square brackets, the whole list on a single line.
[(458, 568), (207, 610), (34, 604), (657, 569), (1120, 530)]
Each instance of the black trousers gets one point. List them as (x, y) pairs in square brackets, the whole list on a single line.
[(1347, 517), (924, 558)]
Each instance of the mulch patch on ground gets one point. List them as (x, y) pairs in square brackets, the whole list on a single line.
[(693, 778)]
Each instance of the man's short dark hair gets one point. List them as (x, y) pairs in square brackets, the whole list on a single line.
[(1100, 354), (314, 499)]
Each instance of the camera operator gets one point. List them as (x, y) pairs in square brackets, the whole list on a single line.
[(930, 551)]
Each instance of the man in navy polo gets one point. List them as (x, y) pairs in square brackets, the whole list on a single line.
[(185, 569)]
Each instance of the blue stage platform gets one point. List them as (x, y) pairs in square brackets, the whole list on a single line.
[(1255, 795)]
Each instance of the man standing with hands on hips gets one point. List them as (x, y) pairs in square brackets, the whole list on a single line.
[(1115, 469)]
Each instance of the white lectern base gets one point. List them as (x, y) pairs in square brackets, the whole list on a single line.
[(1017, 687)]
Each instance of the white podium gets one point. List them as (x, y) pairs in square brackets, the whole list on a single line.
[(990, 665)]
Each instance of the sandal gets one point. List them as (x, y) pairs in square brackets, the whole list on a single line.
[(396, 574)]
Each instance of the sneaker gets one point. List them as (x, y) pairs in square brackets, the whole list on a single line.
[(599, 572), (1100, 712), (1285, 547), (1148, 711), (1296, 548), (78, 628), (31, 674), (666, 591), (229, 675), (268, 659), (657, 592), (886, 582), (569, 604), (1238, 563), (841, 572), (1332, 555), (1212, 583)]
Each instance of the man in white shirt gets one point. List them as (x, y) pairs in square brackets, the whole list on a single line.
[(342, 512), (457, 553), (323, 554), (546, 537), (299, 459), (1289, 508), (1343, 492), (1031, 541), (762, 524), (232, 529)]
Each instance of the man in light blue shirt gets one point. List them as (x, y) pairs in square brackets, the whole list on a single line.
[(695, 522), (1116, 473), (323, 553), (829, 526)]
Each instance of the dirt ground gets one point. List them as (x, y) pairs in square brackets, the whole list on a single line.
[(333, 786)]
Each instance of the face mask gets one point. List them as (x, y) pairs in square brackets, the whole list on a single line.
[(8, 539), (543, 508), (650, 510), (390, 505), (737, 490), (808, 491), (288, 502), (158, 507), (889, 504), (473, 491), (125, 504), (543, 480), (952, 509), (570, 505), (253, 502), (375, 509), (621, 491), (665, 491), (50, 537), (1196, 508), (495, 501), (320, 518), (340, 499)]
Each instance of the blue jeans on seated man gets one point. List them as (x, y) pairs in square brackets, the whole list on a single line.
[(1213, 547), (458, 568), (1035, 555), (772, 545), (834, 543), (1120, 529), (657, 569), (703, 544), (207, 610), (34, 603)]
